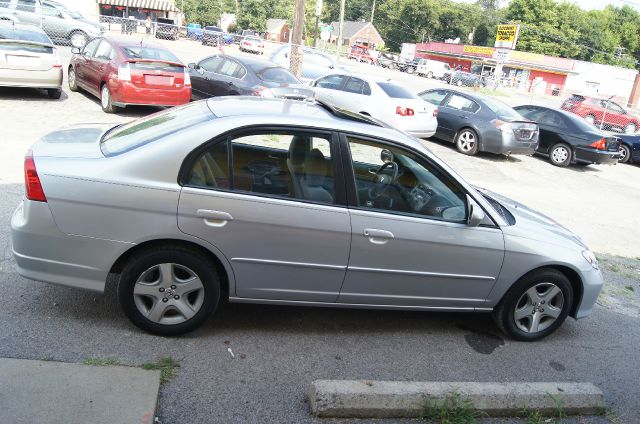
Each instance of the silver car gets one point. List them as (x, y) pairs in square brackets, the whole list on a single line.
[(29, 59), (286, 202)]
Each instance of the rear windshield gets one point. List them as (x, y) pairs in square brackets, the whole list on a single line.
[(32, 48), (396, 91), (276, 74), (503, 110), (143, 52), (137, 133), (11, 33)]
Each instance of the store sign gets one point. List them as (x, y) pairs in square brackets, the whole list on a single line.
[(318, 7), (478, 50), (507, 36), (501, 55)]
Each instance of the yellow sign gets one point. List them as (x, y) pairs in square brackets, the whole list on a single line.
[(478, 50), (507, 36), (519, 56)]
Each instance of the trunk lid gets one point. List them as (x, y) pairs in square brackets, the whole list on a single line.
[(26, 56), (524, 130), (78, 141), (292, 91), (157, 74)]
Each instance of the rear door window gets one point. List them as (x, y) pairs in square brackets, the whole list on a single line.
[(434, 97), (462, 103), (232, 69), (357, 86), (396, 91)]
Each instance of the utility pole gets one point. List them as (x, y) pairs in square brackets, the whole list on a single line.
[(318, 12), (373, 11), (295, 64), (339, 40)]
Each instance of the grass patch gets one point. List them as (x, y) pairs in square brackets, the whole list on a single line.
[(630, 288), (451, 410), (168, 368), (533, 416)]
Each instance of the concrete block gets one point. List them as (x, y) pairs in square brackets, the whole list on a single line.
[(394, 399)]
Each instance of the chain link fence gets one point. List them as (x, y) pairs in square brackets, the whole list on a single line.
[(603, 113)]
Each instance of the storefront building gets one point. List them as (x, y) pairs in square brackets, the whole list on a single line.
[(139, 9)]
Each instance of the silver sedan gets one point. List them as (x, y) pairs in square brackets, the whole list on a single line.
[(286, 202)]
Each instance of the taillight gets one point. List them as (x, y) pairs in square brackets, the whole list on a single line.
[(187, 77), (600, 144), (32, 184), (263, 92), (404, 111), (502, 125), (57, 63), (124, 72), (435, 112), (246, 43), (262, 46)]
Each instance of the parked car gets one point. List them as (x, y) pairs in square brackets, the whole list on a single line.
[(71, 14), (432, 68), (214, 36), (252, 44), (629, 148), (194, 31), (467, 79), (409, 66), (125, 72), (249, 33), (603, 113), (379, 98), (167, 29), (481, 124), (223, 75), (315, 64), (28, 58), (58, 24), (361, 53), (388, 60), (190, 207), (567, 139)]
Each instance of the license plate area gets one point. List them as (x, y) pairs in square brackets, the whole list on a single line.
[(524, 134), (17, 60), (161, 80)]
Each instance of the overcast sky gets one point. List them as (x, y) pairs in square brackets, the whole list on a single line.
[(589, 4)]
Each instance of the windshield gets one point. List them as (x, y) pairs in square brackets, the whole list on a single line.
[(396, 91), (503, 110), (144, 52), (137, 133), (12, 33), (275, 74)]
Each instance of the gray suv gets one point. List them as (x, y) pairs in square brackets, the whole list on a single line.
[(56, 20)]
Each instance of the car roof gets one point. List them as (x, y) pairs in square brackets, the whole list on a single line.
[(20, 25), (249, 60), (127, 42)]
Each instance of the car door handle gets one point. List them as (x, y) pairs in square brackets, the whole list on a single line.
[(462, 117), (230, 83), (378, 236), (214, 218)]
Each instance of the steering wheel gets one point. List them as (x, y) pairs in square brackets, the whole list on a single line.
[(383, 181)]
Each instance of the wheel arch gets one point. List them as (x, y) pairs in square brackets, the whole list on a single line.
[(121, 261)]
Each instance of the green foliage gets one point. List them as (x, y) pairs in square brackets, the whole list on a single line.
[(451, 410), (168, 368)]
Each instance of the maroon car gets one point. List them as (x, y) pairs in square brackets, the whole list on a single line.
[(603, 113), (123, 72)]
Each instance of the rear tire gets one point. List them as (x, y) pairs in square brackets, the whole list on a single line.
[(560, 155), (625, 154), (535, 306), (169, 290), (105, 99), (54, 93), (78, 38), (630, 128), (591, 120), (467, 142)]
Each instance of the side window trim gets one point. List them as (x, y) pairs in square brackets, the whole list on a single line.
[(336, 154), (350, 178)]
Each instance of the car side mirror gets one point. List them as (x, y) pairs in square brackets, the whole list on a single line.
[(75, 50), (193, 66), (476, 214), (331, 67)]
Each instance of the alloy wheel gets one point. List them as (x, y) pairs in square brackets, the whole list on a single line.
[(104, 96), (559, 154), (538, 307), (168, 293), (467, 141)]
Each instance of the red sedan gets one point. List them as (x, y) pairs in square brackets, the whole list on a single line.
[(125, 72), (603, 113)]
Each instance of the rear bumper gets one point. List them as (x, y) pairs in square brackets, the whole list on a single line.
[(123, 94), (421, 127), (51, 78), (43, 253), (495, 141), (599, 157)]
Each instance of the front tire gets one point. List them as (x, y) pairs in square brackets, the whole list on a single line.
[(169, 290), (73, 83), (535, 306), (630, 128), (560, 155), (625, 154), (467, 142)]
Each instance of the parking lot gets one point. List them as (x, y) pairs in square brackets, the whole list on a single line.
[(279, 351)]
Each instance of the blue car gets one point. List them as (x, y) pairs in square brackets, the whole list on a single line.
[(194, 31), (629, 148)]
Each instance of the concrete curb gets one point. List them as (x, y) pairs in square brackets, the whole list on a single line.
[(392, 399), (58, 392)]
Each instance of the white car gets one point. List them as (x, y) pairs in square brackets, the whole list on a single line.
[(252, 44), (432, 68), (379, 98)]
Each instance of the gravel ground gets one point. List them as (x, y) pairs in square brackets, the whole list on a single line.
[(278, 351)]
